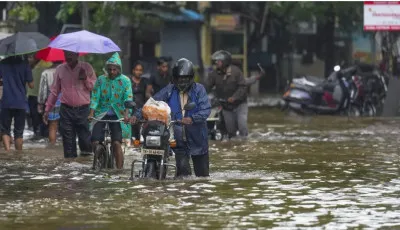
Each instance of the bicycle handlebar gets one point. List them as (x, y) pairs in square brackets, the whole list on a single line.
[(108, 121)]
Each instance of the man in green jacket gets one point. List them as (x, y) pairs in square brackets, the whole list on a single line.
[(107, 103)]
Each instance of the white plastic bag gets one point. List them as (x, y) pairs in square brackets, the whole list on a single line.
[(156, 110)]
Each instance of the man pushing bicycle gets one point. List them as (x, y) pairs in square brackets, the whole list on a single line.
[(107, 103)]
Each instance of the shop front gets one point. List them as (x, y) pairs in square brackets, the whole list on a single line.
[(225, 32)]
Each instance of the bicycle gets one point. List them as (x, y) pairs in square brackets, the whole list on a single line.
[(104, 156)]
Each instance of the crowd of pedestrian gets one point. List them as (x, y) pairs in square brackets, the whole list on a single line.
[(40, 93), (65, 96)]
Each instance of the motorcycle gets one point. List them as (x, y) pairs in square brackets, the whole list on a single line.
[(156, 147), (376, 93), (314, 95), (215, 121)]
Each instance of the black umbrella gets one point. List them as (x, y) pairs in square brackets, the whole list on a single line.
[(23, 43)]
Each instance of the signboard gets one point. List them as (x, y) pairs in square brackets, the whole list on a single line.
[(202, 5), (362, 47), (381, 16), (227, 22)]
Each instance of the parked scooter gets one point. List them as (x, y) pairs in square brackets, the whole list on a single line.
[(314, 95), (156, 147)]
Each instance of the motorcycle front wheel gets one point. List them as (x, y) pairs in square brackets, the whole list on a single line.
[(151, 170), (217, 135), (163, 172)]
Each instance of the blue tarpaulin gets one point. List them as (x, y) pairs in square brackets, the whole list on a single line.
[(184, 16)]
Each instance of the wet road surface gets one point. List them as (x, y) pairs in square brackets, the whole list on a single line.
[(292, 173)]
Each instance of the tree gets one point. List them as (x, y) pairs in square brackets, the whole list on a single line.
[(347, 16), (279, 21), (103, 16), (25, 11)]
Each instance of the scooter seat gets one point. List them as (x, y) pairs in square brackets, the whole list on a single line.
[(316, 80), (318, 89)]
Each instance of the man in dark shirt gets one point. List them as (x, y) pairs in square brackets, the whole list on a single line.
[(161, 78), (15, 73)]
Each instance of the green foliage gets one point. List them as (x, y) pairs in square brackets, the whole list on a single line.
[(102, 14), (349, 15), (67, 9), (101, 21), (25, 11)]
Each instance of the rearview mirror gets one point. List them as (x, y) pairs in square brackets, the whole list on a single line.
[(130, 104), (189, 106), (336, 68)]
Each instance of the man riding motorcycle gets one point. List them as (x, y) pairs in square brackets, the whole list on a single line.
[(230, 86), (192, 135)]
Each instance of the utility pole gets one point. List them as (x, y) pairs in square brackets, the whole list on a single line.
[(392, 100), (85, 15)]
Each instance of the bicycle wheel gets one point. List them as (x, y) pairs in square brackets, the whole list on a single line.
[(100, 157), (111, 158)]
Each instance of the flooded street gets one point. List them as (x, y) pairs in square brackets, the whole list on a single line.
[(322, 172)]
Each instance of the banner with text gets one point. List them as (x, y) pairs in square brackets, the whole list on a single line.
[(383, 15)]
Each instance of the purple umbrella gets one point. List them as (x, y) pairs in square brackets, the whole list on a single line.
[(84, 42)]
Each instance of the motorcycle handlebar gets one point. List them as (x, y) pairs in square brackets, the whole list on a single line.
[(170, 123)]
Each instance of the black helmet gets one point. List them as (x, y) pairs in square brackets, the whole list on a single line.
[(183, 74), (224, 56)]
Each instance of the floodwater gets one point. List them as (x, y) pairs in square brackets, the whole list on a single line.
[(292, 173)]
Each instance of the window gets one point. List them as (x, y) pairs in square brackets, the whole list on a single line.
[(231, 42), (238, 63)]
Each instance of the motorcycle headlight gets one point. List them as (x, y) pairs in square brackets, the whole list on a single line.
[(153, 141)]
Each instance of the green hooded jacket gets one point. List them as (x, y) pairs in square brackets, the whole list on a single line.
[(110, 94)]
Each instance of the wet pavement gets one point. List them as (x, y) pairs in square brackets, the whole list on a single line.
[(292, 173)]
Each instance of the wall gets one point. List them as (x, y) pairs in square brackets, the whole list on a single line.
[(178, 40)]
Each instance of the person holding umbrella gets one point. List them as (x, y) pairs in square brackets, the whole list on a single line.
[(16, 73), (75, 80), (56, 56)]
